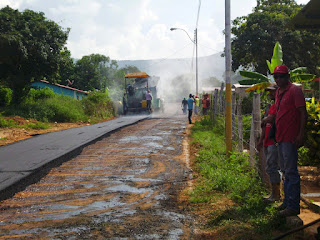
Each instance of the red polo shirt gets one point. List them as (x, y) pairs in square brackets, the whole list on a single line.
[(288, 116), (267, 140)]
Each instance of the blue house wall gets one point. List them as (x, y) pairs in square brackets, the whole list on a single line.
[(60, 89)]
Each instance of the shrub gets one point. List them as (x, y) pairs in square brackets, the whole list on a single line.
[(5, 96), (55, 109), (46, 106), (97, 104), (6, 123), (38, 94), (310, 155)]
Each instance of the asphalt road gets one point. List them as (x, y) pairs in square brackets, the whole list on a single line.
[(127, 185), (27, 161)]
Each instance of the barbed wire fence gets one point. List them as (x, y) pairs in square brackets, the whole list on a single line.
[(239, 131)]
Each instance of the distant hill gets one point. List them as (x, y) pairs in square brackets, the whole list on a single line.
[(209, 66)]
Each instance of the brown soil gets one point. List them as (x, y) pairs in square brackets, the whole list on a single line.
[(13, 134)]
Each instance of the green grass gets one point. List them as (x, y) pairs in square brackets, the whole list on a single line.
[(235, 179), (38, 125), (4, 123), (9, 123)]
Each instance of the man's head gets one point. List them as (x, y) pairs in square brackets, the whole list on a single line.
[(281, 75), (190, 95), (272, 91), (149, 91)]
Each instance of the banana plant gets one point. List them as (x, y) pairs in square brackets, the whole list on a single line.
[(260, 81), (276, 57)]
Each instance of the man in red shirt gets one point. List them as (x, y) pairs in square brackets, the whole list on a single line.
[(204, 104), (269, 147), (290, 122)]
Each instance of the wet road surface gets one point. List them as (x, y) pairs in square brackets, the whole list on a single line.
[(122, 187)]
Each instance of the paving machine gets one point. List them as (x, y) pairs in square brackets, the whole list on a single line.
[(134, 98)]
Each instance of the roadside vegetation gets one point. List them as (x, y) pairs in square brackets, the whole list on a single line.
[(230, 188), (46, 106)]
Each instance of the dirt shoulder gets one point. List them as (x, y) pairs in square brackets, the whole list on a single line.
[(14, 134)]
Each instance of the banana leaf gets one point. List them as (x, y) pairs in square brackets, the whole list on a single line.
[(247, 82), (258, 77), (298, 70), (305, 77), (276, 57), (258, 87)]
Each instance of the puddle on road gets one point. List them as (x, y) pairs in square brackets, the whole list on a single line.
[(140, 139), (153, 145), (126, 188), (170, 148)]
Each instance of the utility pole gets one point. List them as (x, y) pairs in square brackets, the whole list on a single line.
[(228, 78), (196, 43)]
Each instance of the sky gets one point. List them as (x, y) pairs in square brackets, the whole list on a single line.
[(139, 29)]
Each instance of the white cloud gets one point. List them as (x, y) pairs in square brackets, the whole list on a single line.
[(138, 29), (11, 3)]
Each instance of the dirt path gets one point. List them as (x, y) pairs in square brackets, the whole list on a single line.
[(125, 186)]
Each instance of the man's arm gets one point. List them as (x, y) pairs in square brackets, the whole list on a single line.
[(269, 119), (303, 121)]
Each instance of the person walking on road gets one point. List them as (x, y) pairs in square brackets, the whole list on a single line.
[(269, 147), (190, 107), (184, 105), (290, 122), (149, 98), (196, 105)]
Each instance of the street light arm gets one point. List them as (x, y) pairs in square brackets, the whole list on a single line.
[(195, 42), (172, 29)]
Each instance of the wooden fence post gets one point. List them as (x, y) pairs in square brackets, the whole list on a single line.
[(215, 103), (234, 135), (256, 125), (220, 99), (252, 150), (240, 125)]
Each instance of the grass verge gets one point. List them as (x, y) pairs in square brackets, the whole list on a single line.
[(10, 123), (230, 188)]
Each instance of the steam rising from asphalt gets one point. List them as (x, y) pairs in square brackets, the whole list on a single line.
[(178, 77)]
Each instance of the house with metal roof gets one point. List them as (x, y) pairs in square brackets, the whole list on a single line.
[(61, 89)]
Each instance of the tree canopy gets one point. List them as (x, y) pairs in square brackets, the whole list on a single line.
[(256, 34), (30, 48), (91, 72), (33, 48)]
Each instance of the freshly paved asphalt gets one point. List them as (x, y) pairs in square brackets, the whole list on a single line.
[(25, 162)]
